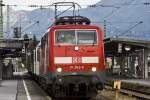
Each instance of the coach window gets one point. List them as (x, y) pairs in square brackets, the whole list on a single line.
[(65, 37), (87, 37)]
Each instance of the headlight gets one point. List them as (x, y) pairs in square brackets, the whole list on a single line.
[(94, 69), (59, 70)]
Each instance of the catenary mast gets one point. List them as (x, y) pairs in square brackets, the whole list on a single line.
[(1, 19)]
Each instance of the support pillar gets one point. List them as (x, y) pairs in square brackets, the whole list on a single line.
[(145, 63), (113, 63), (132, 66), (122, 65), (128, 61), (1, 19), (1, 68)]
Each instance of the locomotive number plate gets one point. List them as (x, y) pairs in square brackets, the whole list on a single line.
[(77, 67)]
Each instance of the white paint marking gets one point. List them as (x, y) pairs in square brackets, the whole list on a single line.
[(90, 60), (68, 60), (63, 60), (48, 98), (27, 92)]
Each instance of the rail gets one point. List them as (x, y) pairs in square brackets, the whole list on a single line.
[(136, 90)]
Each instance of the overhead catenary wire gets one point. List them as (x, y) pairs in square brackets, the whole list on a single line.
[(114, 11), (28, 27), (125, 22), (130, 29), (94, 5), (32, 18), (91, 22), (102, 5)]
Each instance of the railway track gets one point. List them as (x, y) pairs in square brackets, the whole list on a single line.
[(33, 87), (142, 95), (139, 94)]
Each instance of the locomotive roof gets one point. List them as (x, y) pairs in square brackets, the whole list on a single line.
[(78, 26), (72, 20)]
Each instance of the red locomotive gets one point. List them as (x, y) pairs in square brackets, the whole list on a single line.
[(69, 60)]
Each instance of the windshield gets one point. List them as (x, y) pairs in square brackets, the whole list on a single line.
[(86, 37), (75, 37), (65, 37)]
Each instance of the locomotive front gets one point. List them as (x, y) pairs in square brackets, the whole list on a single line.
[(77, 60)]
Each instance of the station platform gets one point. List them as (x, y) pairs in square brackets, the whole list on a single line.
[(8, 90), (21, 89)]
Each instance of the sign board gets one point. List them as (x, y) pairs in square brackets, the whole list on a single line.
[(119, 48)]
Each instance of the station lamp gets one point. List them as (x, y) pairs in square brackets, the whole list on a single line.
[(127, 48)]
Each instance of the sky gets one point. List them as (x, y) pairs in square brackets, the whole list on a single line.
[(22, 3)]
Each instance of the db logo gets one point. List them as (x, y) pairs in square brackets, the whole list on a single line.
[(76, 60)]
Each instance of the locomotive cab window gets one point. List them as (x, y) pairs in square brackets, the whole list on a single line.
[(74, 37), (87, 37), (65, 37)]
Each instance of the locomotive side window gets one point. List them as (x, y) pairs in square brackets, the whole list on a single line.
[(65, 37), (87, 37)]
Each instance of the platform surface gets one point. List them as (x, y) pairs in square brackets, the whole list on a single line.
[(21, 89), (8, 90)]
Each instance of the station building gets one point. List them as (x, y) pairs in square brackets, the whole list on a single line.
[(127, 58)]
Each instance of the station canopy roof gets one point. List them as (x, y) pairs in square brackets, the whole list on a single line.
[(124, 46)]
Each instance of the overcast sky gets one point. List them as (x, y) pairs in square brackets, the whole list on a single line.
[(44, 2)]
